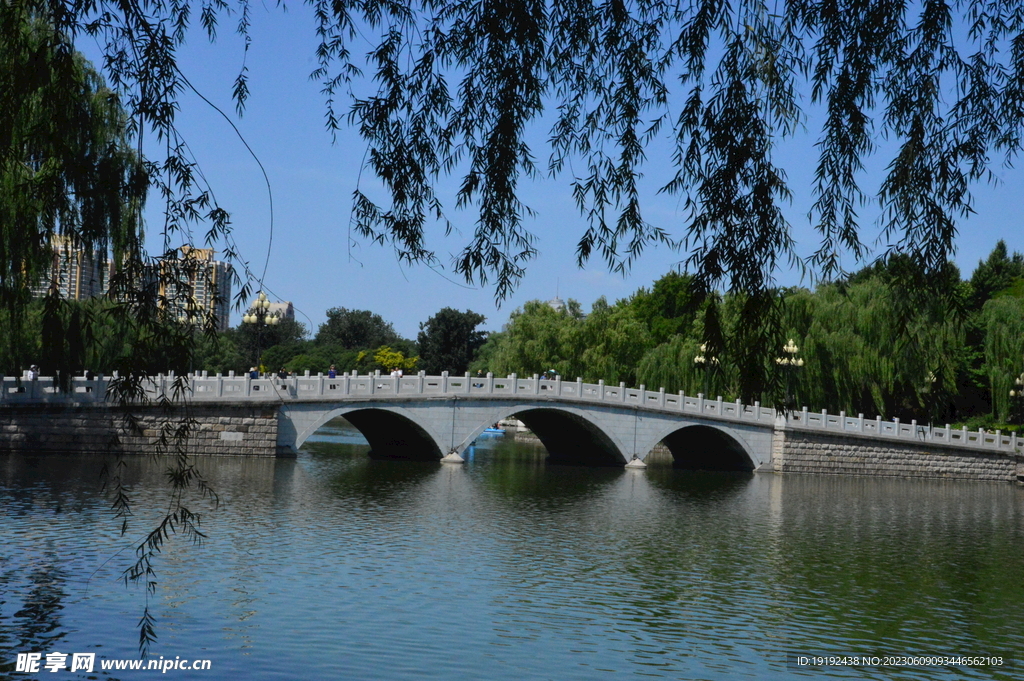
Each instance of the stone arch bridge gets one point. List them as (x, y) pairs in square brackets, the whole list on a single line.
[(437, 417)]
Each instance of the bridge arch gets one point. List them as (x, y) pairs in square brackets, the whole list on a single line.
[(590, 435), (390, 430), (571, 436), (699, 446)]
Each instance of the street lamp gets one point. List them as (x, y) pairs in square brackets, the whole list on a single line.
[(790, 364), (1017, 400), (932, 402), (259, 314), (707, 363)]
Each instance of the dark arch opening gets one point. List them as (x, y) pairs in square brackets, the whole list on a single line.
[(703, 448), (571, 439), (392, 436)]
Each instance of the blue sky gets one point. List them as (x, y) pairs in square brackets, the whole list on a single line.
[(317, 263)]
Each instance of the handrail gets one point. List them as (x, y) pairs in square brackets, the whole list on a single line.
[(200, 387)]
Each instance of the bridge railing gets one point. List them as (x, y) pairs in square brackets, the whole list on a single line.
[(897, 430), (201, 387)]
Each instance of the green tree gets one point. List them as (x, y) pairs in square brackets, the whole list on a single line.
[(388, 359), (997, 273), (608, 344), (67, 171), (1002, 319), (673, 364), (667, 309), (721, 85), (534, 340), (449, 341), (484, 361), (355, 329), (250, 339), (670, 365), (220, 354), (863, 356)]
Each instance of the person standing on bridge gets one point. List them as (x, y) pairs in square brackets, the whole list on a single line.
[(332, 372)]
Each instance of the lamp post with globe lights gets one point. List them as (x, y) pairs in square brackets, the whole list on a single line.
[(706, 362), (1017, 400), (259, 315), (929, 397), (790, 364)]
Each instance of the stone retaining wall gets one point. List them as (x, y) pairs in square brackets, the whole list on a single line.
[(797, 451), (222, 430)]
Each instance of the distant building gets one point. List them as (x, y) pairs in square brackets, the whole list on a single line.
[(194, 284), (557, 304), (80, 274), (283, 309), (77, 273)]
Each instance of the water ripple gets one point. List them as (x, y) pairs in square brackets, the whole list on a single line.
[(337, 566)]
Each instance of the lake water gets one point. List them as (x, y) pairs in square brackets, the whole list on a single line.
[(334, 566)]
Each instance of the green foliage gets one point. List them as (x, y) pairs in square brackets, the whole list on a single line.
[(998, 273), (251, 340), (67, 171), (276, 357), (449, 341), (606, 344), (722, 86), (355, 329), (670, 365), (534, 341), (484, 361), (862, 356), (219, 354), (667, 309), (673, 364), (1014, 290), (388, 359), (319, 358), (1003, 321), (20, 343)]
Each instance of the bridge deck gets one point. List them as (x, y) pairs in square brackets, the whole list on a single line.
[(242, 390)]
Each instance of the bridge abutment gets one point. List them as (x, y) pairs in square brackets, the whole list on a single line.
[(227, 430), (816, 453)]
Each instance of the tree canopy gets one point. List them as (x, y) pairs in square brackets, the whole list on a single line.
[(68, 174), (460, 88), (463, 90), (353, 329), (449, 341)]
